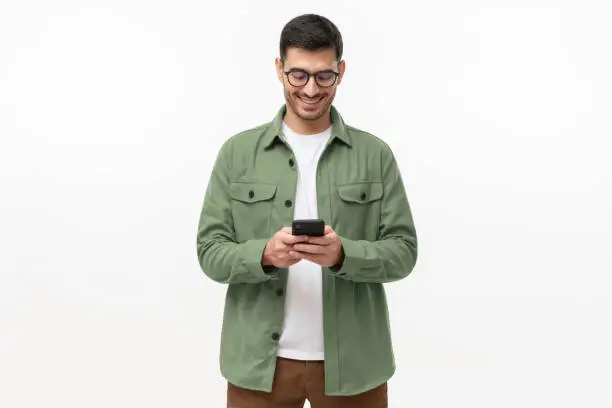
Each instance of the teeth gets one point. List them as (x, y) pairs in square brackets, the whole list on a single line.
[(309, 100)]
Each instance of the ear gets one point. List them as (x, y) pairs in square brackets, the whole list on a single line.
[(279, 69), (341, 68)]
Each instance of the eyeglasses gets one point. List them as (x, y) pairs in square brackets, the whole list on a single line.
[(299, 77)]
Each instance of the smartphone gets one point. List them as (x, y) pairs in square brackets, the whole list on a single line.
[(311, 227)]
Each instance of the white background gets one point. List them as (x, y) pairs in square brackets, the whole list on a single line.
[(111, 113)]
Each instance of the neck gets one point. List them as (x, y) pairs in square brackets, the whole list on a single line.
[(307, 127)]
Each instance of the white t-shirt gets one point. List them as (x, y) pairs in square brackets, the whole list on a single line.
[(302, 335)]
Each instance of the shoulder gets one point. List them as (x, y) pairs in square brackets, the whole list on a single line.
[(245, 140), (362, 139), (251, 135)]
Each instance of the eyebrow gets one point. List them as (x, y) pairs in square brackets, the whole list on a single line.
[(303, 70)]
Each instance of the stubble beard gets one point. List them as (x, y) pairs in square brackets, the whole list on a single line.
[(310, 116)]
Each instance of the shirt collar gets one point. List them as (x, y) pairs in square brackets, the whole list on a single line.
[(275, 127)]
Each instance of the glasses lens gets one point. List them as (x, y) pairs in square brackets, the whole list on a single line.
[(297, 78), (326, 78)]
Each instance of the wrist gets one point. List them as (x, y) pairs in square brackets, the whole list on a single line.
[(265, 258), (340, 260)]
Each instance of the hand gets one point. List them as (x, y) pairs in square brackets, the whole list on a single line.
[(326, 250), (277, 251)]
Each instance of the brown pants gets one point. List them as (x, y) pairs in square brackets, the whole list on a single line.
[(294, 382)]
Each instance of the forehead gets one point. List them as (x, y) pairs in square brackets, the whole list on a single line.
[(311, 60)]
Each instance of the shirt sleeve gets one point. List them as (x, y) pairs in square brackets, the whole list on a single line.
[(393, 255), (222, 258)]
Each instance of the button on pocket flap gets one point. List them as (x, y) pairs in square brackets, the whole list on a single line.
[(251, 192), (361, 192)]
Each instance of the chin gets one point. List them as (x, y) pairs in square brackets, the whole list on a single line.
[(310, 115)]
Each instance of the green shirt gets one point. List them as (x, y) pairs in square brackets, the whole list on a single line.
[(360, 194)]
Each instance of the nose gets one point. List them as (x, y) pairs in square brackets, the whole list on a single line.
[(311, 88)]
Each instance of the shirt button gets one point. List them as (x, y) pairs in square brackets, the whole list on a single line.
[(280, 292), (251, 194), (291, 163), (288, 203), (275, 336), (363, 196)]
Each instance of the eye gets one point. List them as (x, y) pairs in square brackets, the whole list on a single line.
[(325, 76), (299, 75)]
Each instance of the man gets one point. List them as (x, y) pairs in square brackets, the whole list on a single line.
[(306, 317)]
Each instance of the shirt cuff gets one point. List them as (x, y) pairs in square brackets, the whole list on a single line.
[(253, 252), (352, 253)]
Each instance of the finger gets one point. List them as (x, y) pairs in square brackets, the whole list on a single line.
[(310, 249), (322, 241), (331, 234), (292, 239), (329, 238), (328, 229), (293, 258), (316, 258)]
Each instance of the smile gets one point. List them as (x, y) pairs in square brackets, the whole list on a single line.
[(310, 101)]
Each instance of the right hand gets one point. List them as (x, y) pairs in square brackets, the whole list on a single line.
[(278, 247)]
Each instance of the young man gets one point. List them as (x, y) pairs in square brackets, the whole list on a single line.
[(306, 317)]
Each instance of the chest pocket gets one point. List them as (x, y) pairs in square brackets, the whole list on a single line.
[(357, 214), (252, 208)]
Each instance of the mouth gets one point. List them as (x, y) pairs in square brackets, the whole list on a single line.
[(310, 102)]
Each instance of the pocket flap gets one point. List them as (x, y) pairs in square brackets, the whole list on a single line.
[(361, 192), (252, 192)]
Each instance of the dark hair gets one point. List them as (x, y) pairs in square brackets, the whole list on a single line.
[(310, 32)]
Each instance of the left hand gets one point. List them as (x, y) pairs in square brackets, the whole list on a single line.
[(326, 250)]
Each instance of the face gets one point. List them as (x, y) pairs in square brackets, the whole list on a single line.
[(309, 102)]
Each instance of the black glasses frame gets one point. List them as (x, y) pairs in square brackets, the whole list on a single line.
[(308, 75)]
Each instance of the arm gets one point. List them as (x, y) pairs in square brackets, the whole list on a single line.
[(221, 258), (394, 254)]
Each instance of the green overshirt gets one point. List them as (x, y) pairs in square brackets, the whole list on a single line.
[(360, 194)]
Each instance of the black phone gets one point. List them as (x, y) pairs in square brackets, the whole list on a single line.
[(311, 227)]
